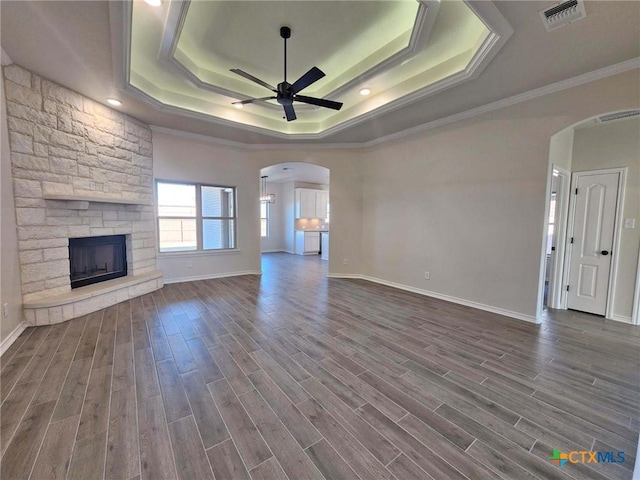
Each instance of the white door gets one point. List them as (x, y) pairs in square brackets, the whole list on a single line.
[(593, 229)]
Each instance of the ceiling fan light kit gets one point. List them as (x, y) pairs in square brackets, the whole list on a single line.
[(287, 93)]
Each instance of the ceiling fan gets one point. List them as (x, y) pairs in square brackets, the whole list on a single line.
[(287, 93)]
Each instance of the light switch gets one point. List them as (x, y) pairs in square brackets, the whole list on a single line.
[(629, 223)]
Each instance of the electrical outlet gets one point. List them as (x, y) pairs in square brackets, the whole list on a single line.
[(5, 310), (345, 261), (105, 187), (92, 185), (427, 275), (189, 263)]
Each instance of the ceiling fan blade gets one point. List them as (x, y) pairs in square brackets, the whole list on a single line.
[(248, 76), (289, 112), (321, 102), (307, 79), (252, 100)]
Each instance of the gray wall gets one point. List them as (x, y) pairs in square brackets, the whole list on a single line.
[(466, 201), (10, 291)]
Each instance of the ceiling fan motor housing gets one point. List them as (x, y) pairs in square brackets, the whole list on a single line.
[(285, 97)]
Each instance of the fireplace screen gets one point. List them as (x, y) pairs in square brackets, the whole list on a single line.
[(97, 259)]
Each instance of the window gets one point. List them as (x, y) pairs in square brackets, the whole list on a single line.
[(264, 219), (195, 217)]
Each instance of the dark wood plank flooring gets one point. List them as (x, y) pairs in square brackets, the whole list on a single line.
[(296, 376)]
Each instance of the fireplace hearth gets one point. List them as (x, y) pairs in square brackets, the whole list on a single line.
[(97, 259)]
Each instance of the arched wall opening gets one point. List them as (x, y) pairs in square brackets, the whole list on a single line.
[(606, 144), (281, 217)]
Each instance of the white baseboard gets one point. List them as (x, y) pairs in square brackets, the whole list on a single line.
[(274, 251), (622, 318), (345, 275), (211, 276), (448, 298), (9, 339)]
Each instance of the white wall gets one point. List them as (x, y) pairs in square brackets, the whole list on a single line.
[(10, 291), (186, 159), (275, 242), (289, 205), (561, 149), (466, 201), (608, 146)]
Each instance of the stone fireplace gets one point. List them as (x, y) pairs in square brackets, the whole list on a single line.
[(80, 170)]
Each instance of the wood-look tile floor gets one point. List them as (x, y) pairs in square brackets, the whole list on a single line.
[(297, 376)]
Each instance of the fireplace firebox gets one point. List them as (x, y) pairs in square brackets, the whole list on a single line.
[(97, 259)]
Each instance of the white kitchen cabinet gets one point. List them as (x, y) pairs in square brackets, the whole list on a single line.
[(324, 240), (307, 243), (322, 199), (311, 203)]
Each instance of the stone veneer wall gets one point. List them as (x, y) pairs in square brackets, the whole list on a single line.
[(61, 143)]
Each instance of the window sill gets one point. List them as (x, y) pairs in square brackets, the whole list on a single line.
[(199, 253)]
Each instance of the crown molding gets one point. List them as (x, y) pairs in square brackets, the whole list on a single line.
[(490, 107), (253, 146), (513, 100)]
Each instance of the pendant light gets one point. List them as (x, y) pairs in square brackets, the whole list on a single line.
[(264, 196)]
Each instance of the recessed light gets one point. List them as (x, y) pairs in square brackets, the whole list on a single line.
[(114, 101), (238, 105), (154, 3), (365, 91)]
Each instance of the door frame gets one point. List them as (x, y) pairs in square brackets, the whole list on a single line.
[(556, 292), (611, 289), (635, 313)]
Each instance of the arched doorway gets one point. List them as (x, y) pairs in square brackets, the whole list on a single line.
[(604, 145), (283, 224)]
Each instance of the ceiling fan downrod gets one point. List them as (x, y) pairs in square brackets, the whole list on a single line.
[(285, 32), (287, 93)]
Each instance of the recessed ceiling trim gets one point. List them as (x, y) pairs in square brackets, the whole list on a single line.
[(425, 18), (500, 31), (423, 24), (174, 24), (497, 25), (120, 16), (176, 17), (595, 75), (164, 107)]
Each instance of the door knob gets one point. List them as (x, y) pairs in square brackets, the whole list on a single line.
[(604, 252)]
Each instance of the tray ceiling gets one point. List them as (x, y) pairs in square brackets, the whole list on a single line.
[(177, 56), (84, 46)]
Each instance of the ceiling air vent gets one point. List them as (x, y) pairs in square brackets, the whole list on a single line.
[(618, 116), (562, 14)]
